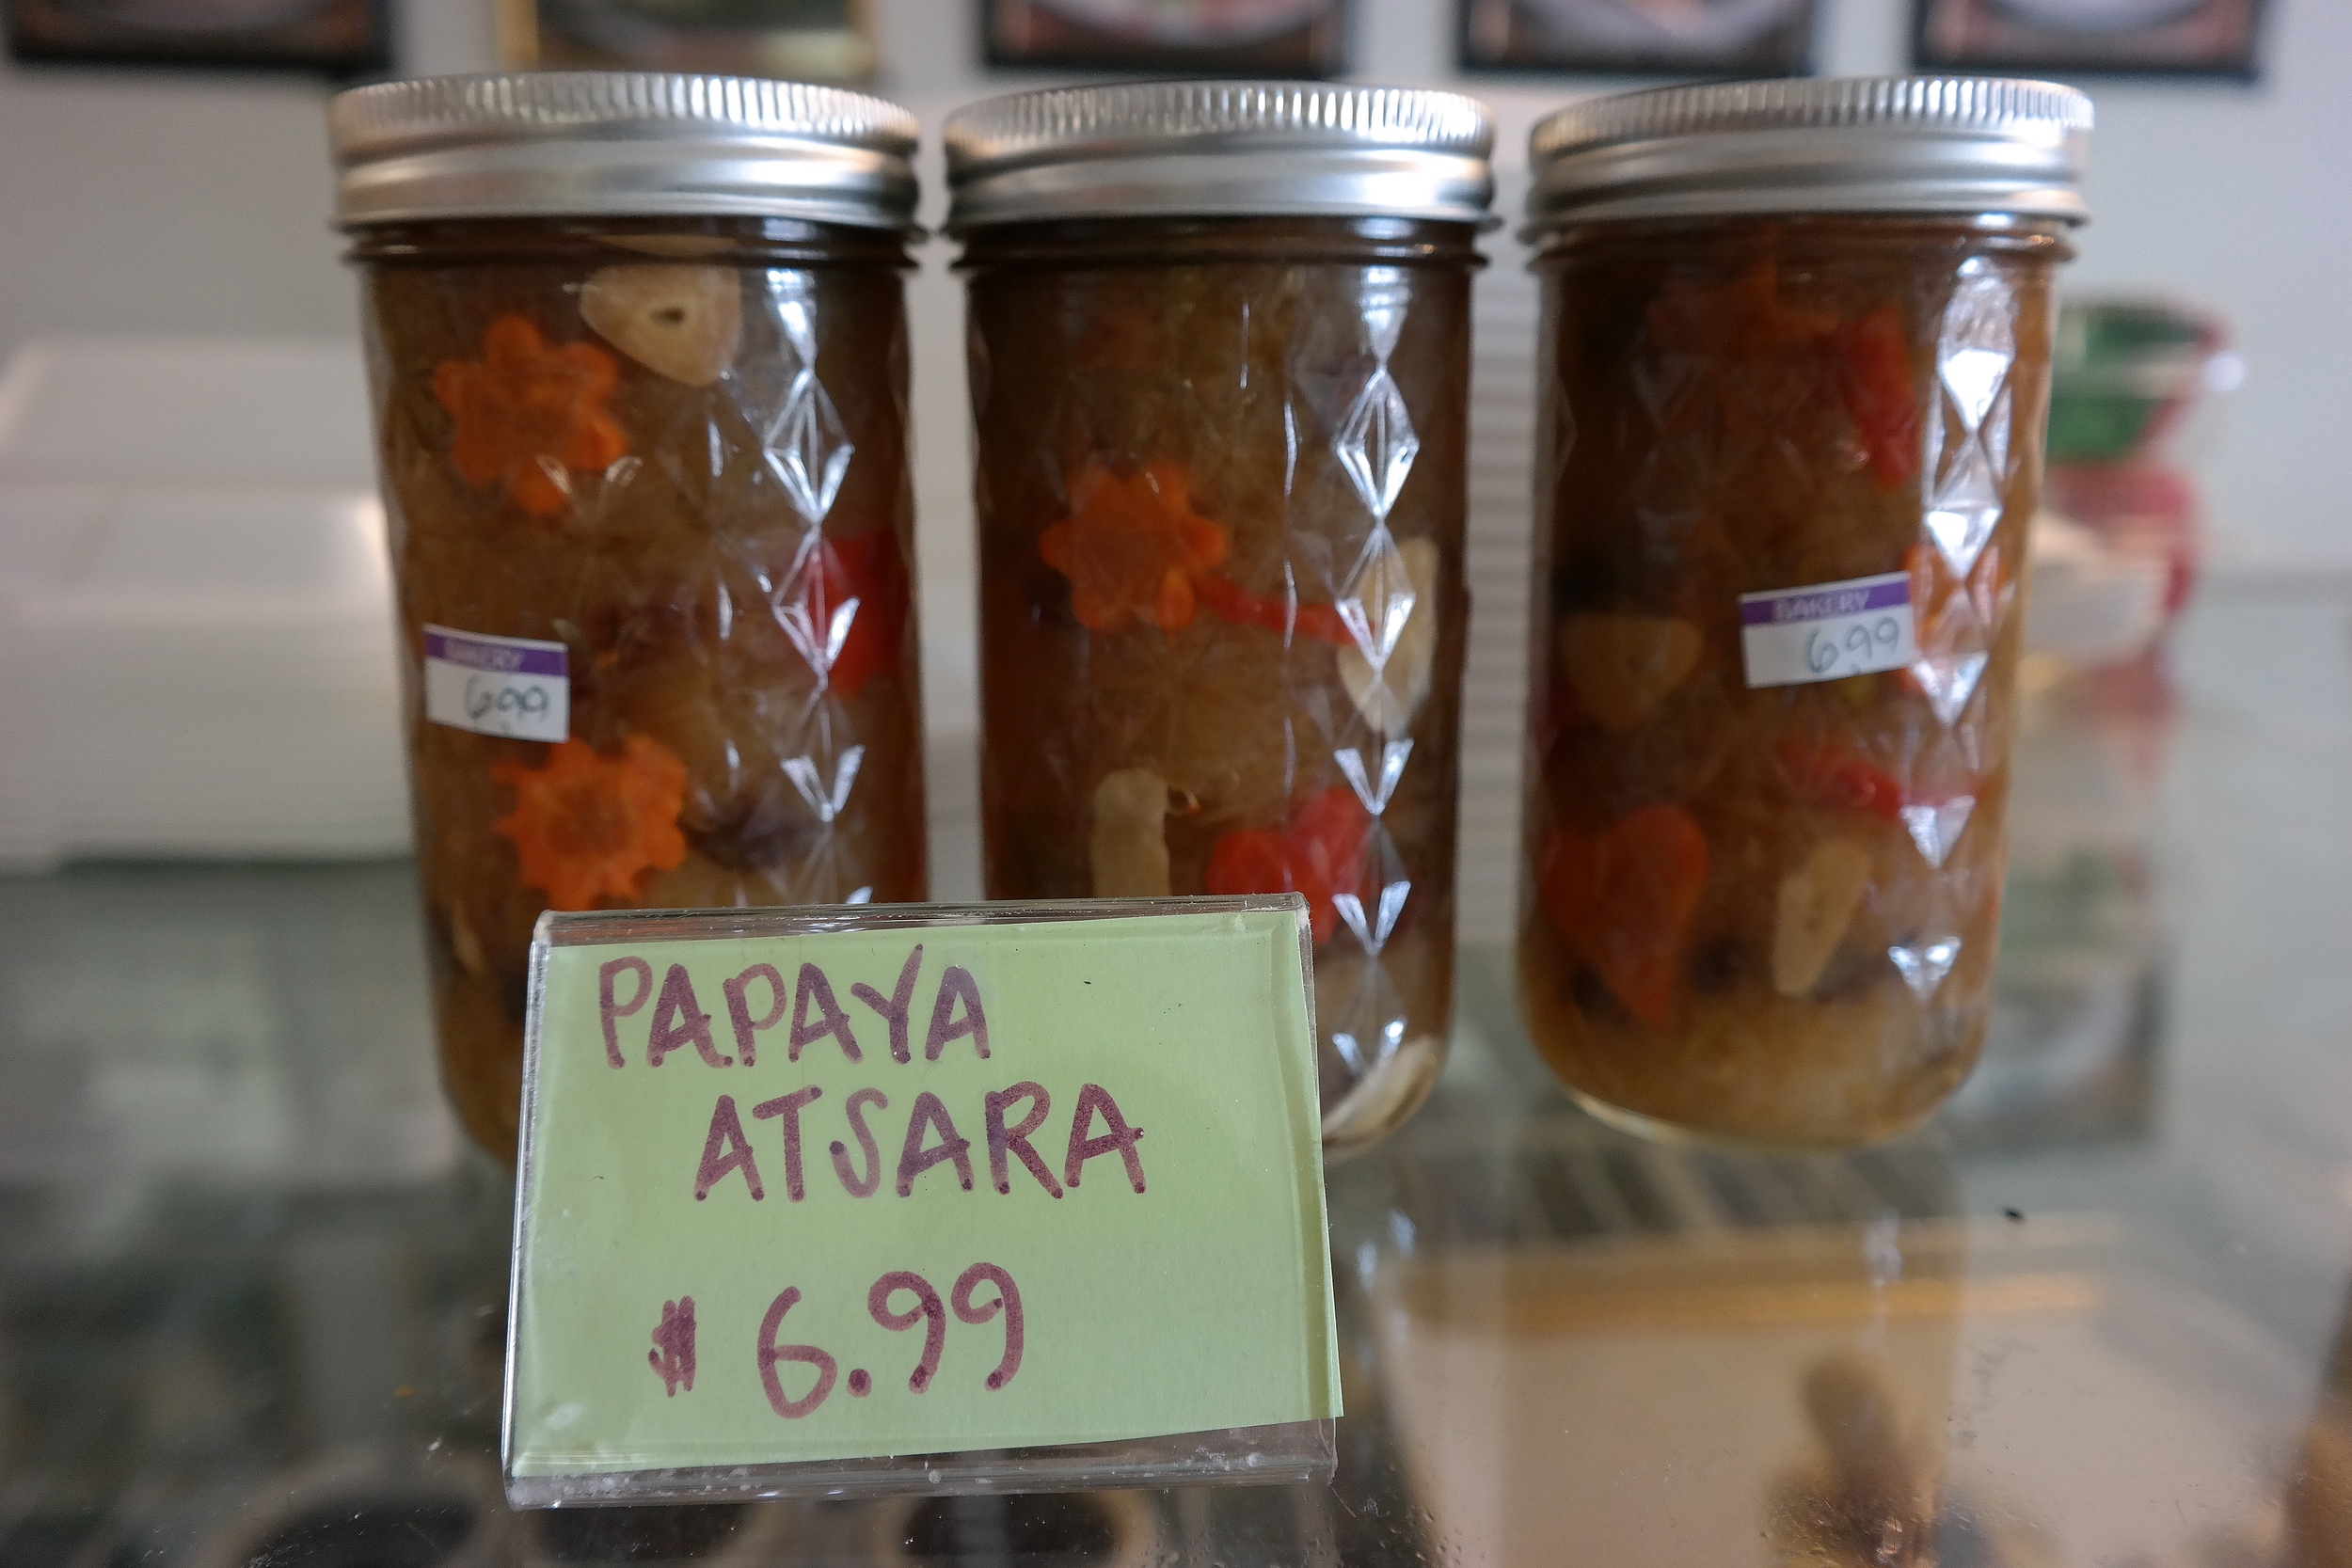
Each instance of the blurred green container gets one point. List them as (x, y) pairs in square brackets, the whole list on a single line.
[(2123, 374)]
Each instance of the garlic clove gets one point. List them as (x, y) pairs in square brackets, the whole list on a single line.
[(682, 322), (1388, 694), (1624, 666), (1817, 904), (1128, 849), (462, 944)]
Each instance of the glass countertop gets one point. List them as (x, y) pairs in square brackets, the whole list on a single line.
[(252, 1280)]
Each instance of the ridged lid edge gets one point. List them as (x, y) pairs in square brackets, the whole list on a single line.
[(1961, 103), (1093, 121), (394, 115), (1867, 144)]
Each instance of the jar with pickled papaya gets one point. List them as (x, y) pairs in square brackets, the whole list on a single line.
[(1795, 368), (638, 354), (1218, 341)]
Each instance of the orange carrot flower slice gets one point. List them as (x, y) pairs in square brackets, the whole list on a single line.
[(588, 826), (528, 413), (1130, 547)]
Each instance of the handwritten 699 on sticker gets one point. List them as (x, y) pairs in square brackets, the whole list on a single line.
[(905, 1190), (1827, 631)]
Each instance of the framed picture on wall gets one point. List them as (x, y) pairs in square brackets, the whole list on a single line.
[(334, 38), (1662, 37), (2173, 38), (1211, 38), (805, 40)]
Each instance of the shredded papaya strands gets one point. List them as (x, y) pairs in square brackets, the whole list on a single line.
[(588, 826), (528, 413), (1866, 361)]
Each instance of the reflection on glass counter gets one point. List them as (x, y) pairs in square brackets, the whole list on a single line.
[(2077, 1011), (252, 1282)]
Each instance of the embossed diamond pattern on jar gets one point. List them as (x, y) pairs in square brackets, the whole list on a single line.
[(803, 442), (1935, 826), (1924, 964), (1384, 592), (1378, 444), (808, 451), (1374, 790), (818, 626), (1969, 462), (826, 797), (1955, 644), (1969, 469), (1384, 671)]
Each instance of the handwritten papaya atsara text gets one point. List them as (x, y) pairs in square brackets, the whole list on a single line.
[(806, 1008), (888, 1144)]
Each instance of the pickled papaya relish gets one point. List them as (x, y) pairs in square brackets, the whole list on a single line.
[(1220, 416), (1794, 383), (650, 519)]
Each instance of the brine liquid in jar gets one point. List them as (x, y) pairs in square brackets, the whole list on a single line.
[(1790, 460), (649, 515), (1221, 503)]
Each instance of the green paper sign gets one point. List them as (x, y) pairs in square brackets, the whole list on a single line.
[(925, 1186)]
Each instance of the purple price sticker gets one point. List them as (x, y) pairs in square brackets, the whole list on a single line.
[(504, 656), (1827, 631), (515, 686), (1825, 602)]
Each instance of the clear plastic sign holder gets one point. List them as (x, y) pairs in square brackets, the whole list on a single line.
[(853, 1201)]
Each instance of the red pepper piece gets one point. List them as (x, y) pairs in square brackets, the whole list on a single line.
[(864, 568), (1827, 776), (1879, 395), (1229, 602), (1256, 859), (1319, 853), (1623, 900), (1330, 831), (1322, 621)]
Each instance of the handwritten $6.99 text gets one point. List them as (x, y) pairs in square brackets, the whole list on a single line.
[(673, 1357)]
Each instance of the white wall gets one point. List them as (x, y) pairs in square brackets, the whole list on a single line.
[(196, 203), (2237, 196), (169, 202)]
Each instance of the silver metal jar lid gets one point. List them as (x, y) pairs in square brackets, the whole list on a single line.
[(620, 143), (1864, 144), (1220, 149)]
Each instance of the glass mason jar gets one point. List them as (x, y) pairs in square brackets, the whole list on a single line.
[(1219, 341), (639, 360), (1795, 368)]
